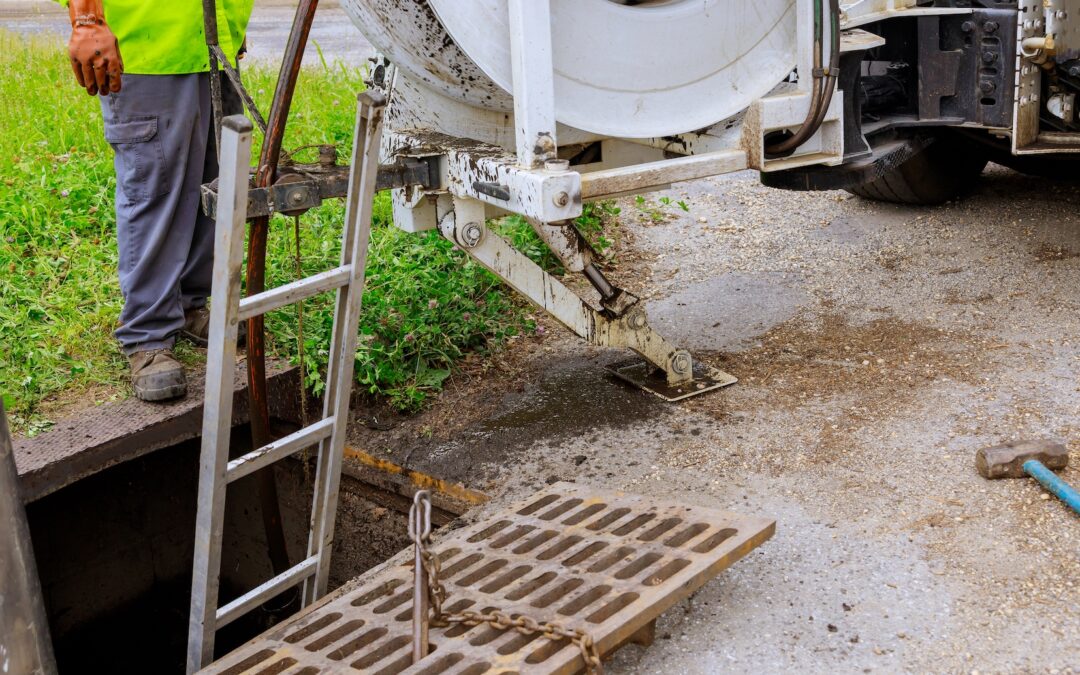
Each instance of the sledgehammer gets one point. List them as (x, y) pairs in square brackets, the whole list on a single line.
[(1034, 458)]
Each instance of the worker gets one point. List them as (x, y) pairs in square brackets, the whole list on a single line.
[(149, 64)]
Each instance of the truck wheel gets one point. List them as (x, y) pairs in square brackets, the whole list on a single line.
[(945, 169)]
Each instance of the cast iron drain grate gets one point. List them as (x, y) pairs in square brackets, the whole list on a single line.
[(606, 562)]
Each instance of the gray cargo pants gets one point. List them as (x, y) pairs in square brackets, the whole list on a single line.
[(160, 129)]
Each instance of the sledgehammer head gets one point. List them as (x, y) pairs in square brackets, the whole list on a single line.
[(1007, 461)]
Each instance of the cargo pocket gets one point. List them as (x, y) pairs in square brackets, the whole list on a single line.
[(140, 161)]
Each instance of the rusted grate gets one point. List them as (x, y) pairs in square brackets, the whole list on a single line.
[(606, 562)]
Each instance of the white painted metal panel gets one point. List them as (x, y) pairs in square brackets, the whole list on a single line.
[(637, 71)]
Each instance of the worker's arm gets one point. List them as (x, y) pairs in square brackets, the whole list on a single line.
[(94, 52)]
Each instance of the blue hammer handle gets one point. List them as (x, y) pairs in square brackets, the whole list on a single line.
[(1051, 482)]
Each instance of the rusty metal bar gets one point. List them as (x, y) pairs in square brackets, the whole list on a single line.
[(259, 405)]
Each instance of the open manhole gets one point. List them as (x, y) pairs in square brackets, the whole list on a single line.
[(114, 552)]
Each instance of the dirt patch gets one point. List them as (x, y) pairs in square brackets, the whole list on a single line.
[(848, 376), (1054, 253), (879, 361)]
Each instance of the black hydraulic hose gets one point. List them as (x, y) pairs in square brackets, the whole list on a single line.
[(824, 81)]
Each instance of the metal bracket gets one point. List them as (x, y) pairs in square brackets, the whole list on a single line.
[(465, 227), (301, 187)]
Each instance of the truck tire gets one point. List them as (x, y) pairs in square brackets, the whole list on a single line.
[(943, 170)]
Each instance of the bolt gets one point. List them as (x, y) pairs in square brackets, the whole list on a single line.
[(989, 57), (296, 197), (471, 234), (987, 86), (557, 165), (990, 26), (561, 199), (681, 363), (1061, 14), (636, 320), (967, 26)]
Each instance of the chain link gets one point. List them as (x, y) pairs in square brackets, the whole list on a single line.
[(523, 624)]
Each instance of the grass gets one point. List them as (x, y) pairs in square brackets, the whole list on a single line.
[(425, 304)]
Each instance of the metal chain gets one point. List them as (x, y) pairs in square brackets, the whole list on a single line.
[(526, 625)]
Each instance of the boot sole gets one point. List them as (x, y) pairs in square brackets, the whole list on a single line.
[(161, 393)]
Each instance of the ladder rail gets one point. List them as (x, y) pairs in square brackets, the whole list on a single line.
[(220, 369), (364, 170)]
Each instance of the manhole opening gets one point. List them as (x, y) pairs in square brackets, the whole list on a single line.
[(114, 551)]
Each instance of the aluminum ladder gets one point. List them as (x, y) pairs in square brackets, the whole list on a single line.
[(216, 470)]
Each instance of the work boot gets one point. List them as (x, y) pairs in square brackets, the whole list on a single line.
[(156, 375), (196, 328)]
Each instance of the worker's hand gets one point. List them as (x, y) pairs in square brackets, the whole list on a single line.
[(94, 52)]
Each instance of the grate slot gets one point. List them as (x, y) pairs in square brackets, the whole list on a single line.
[(488, 531), (481, 573), (610, 559), (461, 565), (342, 631), (250, 662), (634, 524), (609, 610), (601, 561), (505, 579), (715, 540), (279, 666), (531, 586), (558, 549), (374, 594), (547, 650), (516, 643), (585, 553), (356, 644), (585, 513), (584, 600), (607, 519), (394, 602), (561, 509), (637, 566), (385, 649), (533, 543), (512, 536), (684, 537), (659, 529), (666, 572), (558, 593), (312, 628), (538, 504)]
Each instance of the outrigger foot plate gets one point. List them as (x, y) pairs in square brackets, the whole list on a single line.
[(644, 375)]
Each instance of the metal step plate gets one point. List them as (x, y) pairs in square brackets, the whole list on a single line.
[(606, 562), (644, 375)]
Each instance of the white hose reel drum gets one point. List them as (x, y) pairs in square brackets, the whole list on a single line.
[(654, 68)]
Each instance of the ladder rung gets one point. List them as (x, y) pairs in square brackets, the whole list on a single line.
[(267, 301), (279, 449), (260, 594)]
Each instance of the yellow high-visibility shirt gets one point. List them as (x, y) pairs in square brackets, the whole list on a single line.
[(166, 38)]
